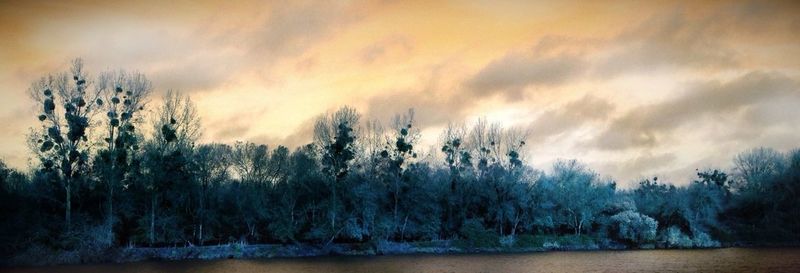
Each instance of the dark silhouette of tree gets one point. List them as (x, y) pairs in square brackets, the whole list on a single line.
[(397, 153), (123, 96), (167, 153), (67, 101), (212, 166), (336, 134)]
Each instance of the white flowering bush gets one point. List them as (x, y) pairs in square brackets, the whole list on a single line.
[(634, 227)]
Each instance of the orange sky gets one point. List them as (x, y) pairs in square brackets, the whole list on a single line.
[(633, 88)]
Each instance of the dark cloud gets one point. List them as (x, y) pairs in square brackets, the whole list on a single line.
[(676, 39), (511, 74), (568, 117), (648, 125), (668, 40)]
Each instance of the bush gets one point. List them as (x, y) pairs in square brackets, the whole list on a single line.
[(507, 241), (674, 238), (633, 228), (551, 245), (579, 241), (530, 241), (702, 239), (477, 236)]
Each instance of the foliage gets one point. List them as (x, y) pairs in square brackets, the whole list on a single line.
[(633, 227), (477, 236)]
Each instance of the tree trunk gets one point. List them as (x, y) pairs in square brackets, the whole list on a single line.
[(110, 212), (403, 229), (68, 205), (152, 219), (201, 212), (514, 227), (396, 201), (111, 182), (333, 206)]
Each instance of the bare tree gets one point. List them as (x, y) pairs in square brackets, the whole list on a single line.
[(212, 163), (176, 129), (753, 168), (251, 162), (124, 96), (398, 153), (176, 123), (335, 134), (67, 104)]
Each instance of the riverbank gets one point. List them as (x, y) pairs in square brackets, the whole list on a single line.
[(42, 257)]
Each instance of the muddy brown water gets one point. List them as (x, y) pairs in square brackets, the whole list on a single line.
[(703, 260)]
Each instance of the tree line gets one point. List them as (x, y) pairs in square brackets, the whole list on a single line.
[(105, 175)]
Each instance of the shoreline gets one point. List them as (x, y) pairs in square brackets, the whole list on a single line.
[(279, 251)]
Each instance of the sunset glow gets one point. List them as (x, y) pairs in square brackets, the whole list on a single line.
[(633, 88)]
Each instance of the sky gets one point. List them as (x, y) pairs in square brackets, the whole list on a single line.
[(632, 88)]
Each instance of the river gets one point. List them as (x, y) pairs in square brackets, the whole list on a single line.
[(701, 260)]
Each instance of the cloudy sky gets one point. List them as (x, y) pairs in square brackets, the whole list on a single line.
[(632, 88)]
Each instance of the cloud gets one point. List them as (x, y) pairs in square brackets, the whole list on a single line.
[(277, 32), (647, 126), (667, 40), (230, 129), (720, 40), (304, 134), (190, 51), (632, 168), (435, 101), (569, 117), (387, 47), (511, 74), (291, 27)]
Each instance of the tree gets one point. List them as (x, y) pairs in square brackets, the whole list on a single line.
[(760, 173), (176, 129), (663, 202), (500, 173), (708, 196), (335, 135), (755, 169), (251, 162), (212, 164), (458, 161), (122, 95), (397, 153), (66, 109), (577, 194)]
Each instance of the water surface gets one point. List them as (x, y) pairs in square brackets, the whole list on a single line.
[(706, 260)]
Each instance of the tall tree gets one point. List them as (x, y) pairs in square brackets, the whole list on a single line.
[(335, 135), (397, 154), (176, 129), (212, 167), (458, 161), (67, 102), (123, 97)]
